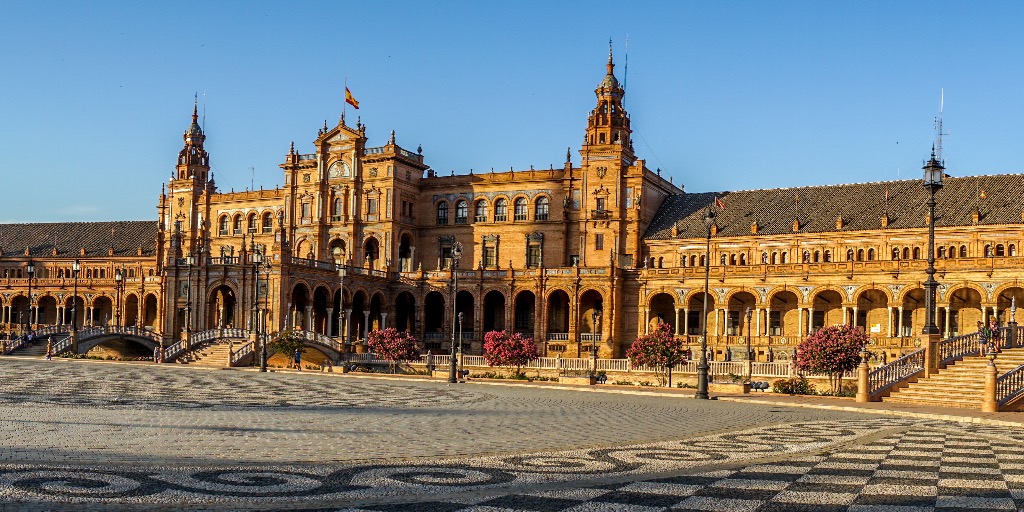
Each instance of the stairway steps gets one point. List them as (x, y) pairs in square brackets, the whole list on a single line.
[(217, 354), (960, 384)]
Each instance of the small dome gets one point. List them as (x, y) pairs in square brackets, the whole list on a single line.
[(609, 82)]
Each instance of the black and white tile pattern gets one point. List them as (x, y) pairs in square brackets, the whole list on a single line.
[(860, 465)]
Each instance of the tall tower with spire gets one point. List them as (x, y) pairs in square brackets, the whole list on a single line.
[(608, 131), (187, 203)]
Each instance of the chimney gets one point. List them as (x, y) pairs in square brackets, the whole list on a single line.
[(754, 226)]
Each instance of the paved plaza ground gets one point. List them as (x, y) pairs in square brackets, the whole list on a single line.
[(78, 435)]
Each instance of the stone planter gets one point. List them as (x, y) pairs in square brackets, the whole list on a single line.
[(585, 380), (729, 387)]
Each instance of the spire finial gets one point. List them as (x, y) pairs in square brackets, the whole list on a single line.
[(568, 155), (392, 139), (611, 64), (195, 108)]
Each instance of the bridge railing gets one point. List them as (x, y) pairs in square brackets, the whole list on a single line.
[(321, 339), (14, 344), (884, 377), (958, 347), (1010, 385)]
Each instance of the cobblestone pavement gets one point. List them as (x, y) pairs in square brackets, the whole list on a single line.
[(90, 436)]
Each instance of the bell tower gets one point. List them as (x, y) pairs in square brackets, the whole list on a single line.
[(608, 131), (189, 190)]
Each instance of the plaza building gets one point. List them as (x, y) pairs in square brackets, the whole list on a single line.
[(589, 254)]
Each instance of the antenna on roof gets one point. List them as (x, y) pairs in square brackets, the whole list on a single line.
[(625, 67), (204, 112), (938, 125)]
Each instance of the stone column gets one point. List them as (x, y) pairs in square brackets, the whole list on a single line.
[(810, 319), (853, 321), (686, 321), (309, 319), (988, 401), (330, 321), (846, 317), (677, 322), (366, 324), (384, 320), (949, 330), (800, 322), (899, 322)]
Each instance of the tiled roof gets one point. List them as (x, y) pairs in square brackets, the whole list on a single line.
[(861, 206), (126, 237)]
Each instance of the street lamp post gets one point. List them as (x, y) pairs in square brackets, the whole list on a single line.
[(76, 267), (190, 261), (750, 314), (933, 182), (594, 316), (342, 312), (702, 366), (118, 287), (456, 254), (460, 358), (30, 269), (257, 261)]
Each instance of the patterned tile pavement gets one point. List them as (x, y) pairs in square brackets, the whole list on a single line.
[(765, 461)]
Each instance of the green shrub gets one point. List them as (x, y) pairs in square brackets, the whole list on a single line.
[(794, 386)]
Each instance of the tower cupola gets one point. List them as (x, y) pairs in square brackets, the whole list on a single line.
[(608, 123), (193, 160)]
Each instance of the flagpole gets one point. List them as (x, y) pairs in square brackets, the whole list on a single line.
[(344, 101)]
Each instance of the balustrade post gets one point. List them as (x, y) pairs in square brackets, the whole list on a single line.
[(988, 402), (863, 391), (931, 354), (1011, 334)]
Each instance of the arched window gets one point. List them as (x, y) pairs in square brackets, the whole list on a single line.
[(222, 225), (520, 209), (906, 253), (693, 260), (252, 223), (849, 255), (541, 210), (732, 259), (238, 224), (871, 254), (988, 251), (895, 253), (461, 211), (682, 261), (963, 251), (817, 256), (775, 258), (807, 256), (1000, 250), (942, 252), (743, 259), (500, 210), (828, 256), (338, 209), (480, 211), (268, 222), (702, 260), (782, 257), (1011, 250), (917, 253), (661, 262), (442, 213), (724, 260), (764, 258)]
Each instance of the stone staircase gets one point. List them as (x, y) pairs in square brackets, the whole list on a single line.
[(36, 350), (214, 354), (958, 385)]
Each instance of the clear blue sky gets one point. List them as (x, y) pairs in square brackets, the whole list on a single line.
[(723, 95)]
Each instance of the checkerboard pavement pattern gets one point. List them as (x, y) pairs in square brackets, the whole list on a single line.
[(911, 471)]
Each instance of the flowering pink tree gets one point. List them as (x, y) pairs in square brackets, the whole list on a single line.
[(833, 351), (502, 349), (393, 345), (659, 349)]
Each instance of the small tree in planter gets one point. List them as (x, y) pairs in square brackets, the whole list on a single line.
[(833, 351), (287, 342), (393, 345), (502, 349), (659, 349)]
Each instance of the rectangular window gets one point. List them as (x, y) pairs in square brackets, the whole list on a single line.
[(599, 242), (775, 323), (490, 256), (533, 256), (732, 323), (307, 212), (601, 205), (371, 207), (446, 257), (629, 197)]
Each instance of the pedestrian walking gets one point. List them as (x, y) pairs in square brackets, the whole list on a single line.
[(49, 350), (298, 359), (156, 354)]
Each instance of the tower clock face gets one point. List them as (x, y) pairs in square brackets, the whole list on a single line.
[(339, 169)]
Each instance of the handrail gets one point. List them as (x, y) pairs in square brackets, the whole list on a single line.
[(886, 376), (62, 345), (956, 348), (242, 351), (103, 330), (1010, 385), (321, 339), (198, 339)]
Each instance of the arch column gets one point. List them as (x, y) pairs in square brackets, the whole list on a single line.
[(949, 330), (309, 319), (677, 322), (800, 322), (686, 321), (846, 317), (330, 321), (899, 322), (384, 320)]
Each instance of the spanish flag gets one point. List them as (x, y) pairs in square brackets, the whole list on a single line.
[(351, 100), (719, 203)]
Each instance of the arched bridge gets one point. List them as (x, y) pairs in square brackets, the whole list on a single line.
[(330, 346)]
